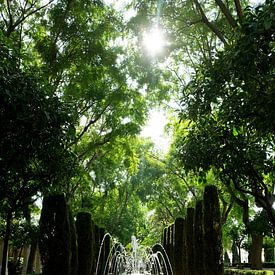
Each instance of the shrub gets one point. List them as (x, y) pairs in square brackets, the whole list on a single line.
[(247, 272)]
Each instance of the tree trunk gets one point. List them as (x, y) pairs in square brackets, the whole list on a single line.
[(32, 255), (37, 262), (256, 250), (26, 254), (235, 254), (4, 265), (1, 252)]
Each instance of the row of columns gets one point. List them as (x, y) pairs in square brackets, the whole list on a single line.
[(194, 243)]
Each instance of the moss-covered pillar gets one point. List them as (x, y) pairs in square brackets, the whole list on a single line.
[(213, 260), (198, 240), (179, 247), (85, 243)]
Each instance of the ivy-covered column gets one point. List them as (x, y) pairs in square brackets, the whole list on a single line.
[(213, 260)]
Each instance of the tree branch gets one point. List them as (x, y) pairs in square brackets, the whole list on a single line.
[(209, 24), (226, 13), (87, 126), (238, 8), (12, 27)]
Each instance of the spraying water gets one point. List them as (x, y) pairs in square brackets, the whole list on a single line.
[(135, 262)]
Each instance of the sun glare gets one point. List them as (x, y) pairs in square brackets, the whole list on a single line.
[(153, 41)]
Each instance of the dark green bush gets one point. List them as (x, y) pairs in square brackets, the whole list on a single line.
[(269, 265), (247, 272)]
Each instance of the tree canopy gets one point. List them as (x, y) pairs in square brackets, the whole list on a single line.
[(76, 89)]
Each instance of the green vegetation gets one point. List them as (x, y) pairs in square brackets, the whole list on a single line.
[(76, 88), (247, 272)]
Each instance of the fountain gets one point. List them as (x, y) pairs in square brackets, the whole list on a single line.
[(136, 262)]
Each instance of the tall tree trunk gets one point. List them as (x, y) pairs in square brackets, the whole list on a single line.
[(235, 254), (6, 243), (34, 244), (26, 254), (256, 250)]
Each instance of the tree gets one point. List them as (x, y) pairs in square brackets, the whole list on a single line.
[(35, 127), (228, 129)]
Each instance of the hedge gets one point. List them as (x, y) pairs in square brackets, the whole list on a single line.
[(247, 272)]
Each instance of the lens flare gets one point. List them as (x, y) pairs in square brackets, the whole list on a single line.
[(153, 41)]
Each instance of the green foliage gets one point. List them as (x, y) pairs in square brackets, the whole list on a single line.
[(35, 128), (261, 224), (247, 272), (231, 126)]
